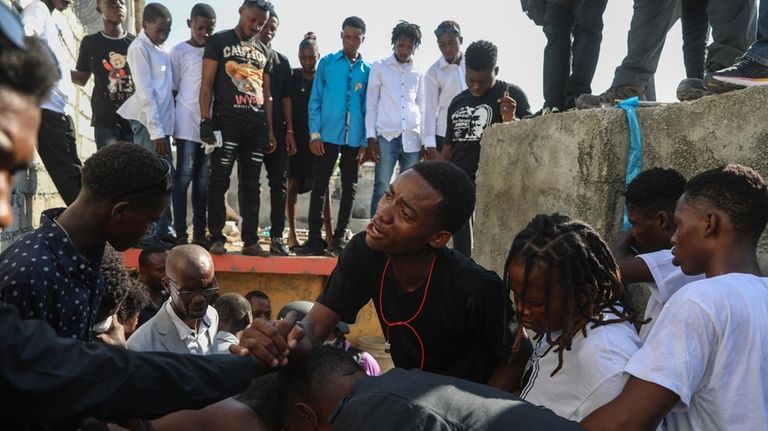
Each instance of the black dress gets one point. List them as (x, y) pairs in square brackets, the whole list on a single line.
[(300, 164)]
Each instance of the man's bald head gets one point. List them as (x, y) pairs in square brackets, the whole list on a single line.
[(189, 260)]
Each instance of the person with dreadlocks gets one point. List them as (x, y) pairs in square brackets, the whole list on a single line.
[(567, 290), (393, 117), (486, 101), (703, 365)]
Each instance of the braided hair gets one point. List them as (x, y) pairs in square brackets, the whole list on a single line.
[(584, 269), (407, 30)]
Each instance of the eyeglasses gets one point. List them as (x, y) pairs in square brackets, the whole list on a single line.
[(11, 28), (163, 185), (447, 28), (206, 292)]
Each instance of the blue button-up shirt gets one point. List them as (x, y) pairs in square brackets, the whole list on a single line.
[(337, 102), (45, 278)]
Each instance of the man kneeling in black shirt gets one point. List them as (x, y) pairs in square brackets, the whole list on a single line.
[(329, 390), (439, 311)]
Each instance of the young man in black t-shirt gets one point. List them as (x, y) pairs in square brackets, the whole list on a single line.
[(486, 101), (236, 76), (276, 163), (104, 54), (439, 311)]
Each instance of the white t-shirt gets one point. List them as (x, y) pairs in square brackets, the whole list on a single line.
[(152, 103), (39, 21), (710, 347), (592, 372), (187, 66), (668, 279)]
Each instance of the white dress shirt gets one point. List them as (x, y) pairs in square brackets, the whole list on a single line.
[(152, 103), (39, 21), (187, 65), (442, 83), (202, 341), (394, 102)]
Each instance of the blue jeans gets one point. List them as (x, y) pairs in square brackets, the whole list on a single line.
[(161, 228), (390, 152), (109, 135), (192, 166), (759, 50)]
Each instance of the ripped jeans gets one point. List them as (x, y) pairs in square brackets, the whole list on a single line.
[(246, 143)]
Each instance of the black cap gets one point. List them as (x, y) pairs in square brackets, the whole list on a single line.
[(10, 27)]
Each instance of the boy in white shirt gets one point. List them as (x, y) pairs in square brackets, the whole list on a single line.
[(393, 117), (192, 163), (566, 289), (443, 81), (645, 259), (703, 365), (150, 110), (57, 144)]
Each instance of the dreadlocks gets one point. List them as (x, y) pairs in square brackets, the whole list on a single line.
[(407, 30), (573, 254)]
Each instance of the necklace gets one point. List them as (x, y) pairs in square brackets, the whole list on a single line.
[(305, 83), (405, 323)]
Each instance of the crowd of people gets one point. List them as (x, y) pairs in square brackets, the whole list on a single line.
[(561, 340)]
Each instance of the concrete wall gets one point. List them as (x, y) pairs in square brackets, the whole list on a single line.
[(574, 163)]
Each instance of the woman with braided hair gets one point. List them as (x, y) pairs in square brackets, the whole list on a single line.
[(567, 290)]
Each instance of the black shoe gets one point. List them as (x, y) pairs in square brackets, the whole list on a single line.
[(254, 249), (692, 89), (745, 73), (218, 247), (309, 249), (337, 245), (180, 240), (542, 112), (202, 242), (155, 243), (609, 98), (277, 247)]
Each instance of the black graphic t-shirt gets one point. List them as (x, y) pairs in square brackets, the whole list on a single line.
[(105, 57), (238, 90), (469, 116)]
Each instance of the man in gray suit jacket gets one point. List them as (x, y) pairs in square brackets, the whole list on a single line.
[(185, 323)]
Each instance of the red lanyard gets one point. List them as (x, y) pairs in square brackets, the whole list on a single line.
[(405, 323)]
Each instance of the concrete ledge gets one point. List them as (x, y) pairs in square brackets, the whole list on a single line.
[(237, 263), (574, 163)]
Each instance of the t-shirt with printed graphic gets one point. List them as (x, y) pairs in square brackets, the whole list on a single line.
[(238, 90), (469, 116), (105, 57)]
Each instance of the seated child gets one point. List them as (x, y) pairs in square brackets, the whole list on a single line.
[(567, 290)]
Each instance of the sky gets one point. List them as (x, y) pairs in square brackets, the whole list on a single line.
[(521, 43)]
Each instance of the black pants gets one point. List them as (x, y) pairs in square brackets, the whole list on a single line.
[(570, 66), (322, 170), (695, 22), (244, 142), (276, 165), (57, 146)]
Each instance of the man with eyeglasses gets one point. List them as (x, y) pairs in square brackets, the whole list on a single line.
[(53, 273), (186, 323), (443, 81)]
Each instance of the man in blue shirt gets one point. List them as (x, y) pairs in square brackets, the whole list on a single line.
[(341, 80)]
